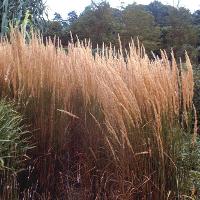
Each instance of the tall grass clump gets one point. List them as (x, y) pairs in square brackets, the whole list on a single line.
[(106, 126)]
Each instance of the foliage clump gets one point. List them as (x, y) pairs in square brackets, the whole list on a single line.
[(13, 148)]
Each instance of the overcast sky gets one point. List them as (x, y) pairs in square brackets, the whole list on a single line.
[(65, 6)]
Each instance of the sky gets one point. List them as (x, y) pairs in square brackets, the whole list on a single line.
[(65, 6)]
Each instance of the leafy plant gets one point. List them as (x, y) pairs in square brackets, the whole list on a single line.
[(16, 11), (189, 167), (13, 147)]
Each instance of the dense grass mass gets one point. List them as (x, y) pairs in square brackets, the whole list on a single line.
[(13, 147), (106, 126)]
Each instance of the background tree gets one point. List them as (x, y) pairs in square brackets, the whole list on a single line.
[(72, 17), (57, 17), (58, 27), (160, 12), (180, 34), (196, 17), (140, 23), (99, 22)]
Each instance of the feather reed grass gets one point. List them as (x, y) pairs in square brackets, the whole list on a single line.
[(106, 125)]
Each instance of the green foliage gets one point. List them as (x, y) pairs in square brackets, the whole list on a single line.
[(189, 168), (98, 23), (72, 17), (160, 12), (54, 28), (180, 34), (196, 17), (146, 31), (13, 145), (13, 148), (15, 10)]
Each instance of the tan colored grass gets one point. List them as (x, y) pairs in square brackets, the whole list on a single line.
[(112, 109)]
